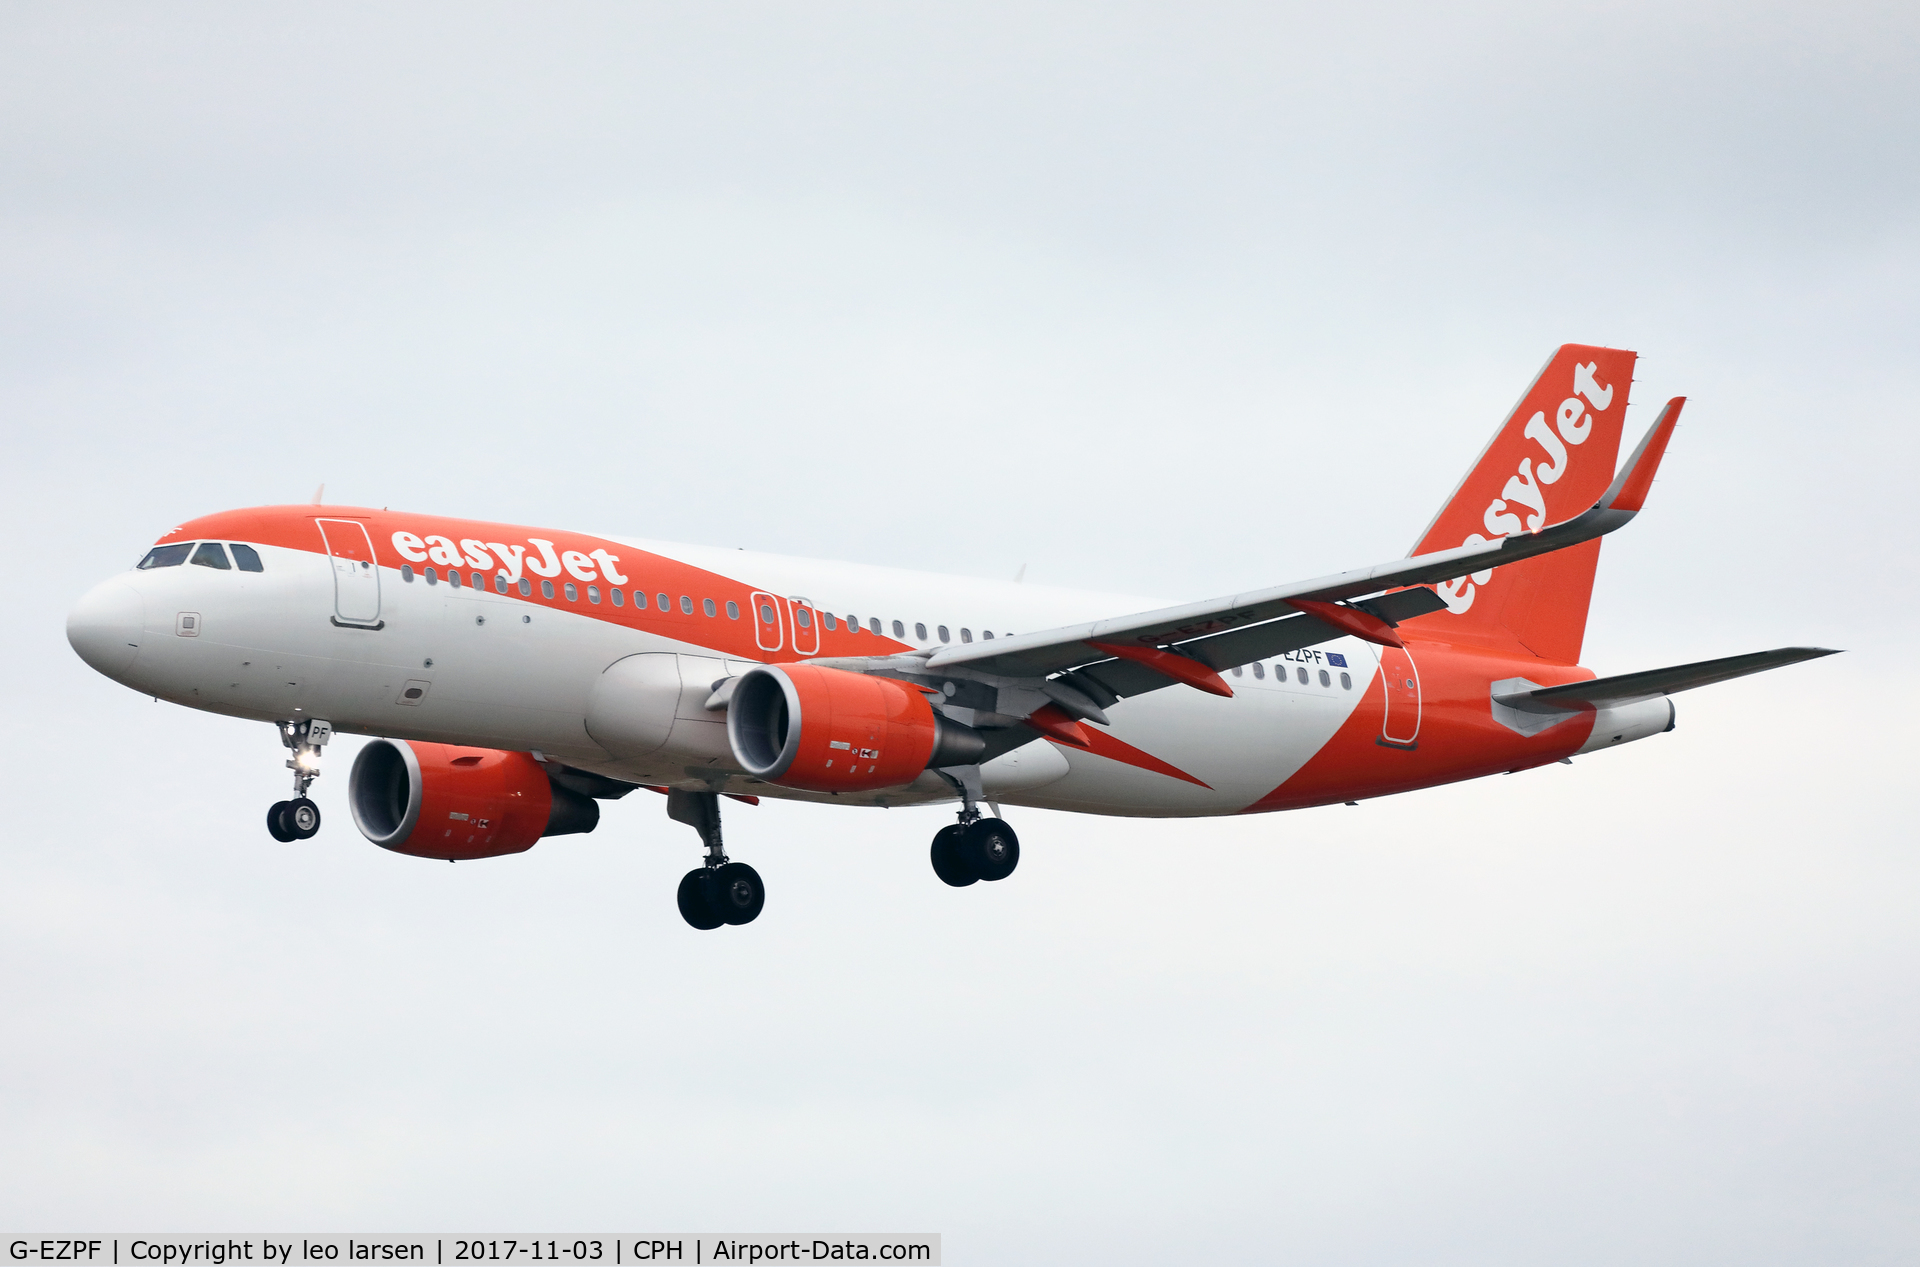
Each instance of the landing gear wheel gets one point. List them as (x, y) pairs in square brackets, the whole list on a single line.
[(947, 861), (694, 906), (276, 825), (737, 894), (990, 849), (302, 818)]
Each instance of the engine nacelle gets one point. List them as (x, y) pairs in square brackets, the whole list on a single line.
[(435, 800), (828, 730)]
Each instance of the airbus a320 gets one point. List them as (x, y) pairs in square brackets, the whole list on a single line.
[(514, 678)]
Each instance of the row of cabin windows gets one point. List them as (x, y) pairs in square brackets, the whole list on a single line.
[(525, 586), (802, 615), (1300, 675), (876, 625), (206, 554)]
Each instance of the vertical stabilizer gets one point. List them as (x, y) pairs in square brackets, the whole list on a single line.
[(1550, 460)]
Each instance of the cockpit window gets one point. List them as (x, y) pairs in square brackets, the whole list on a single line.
[(246, 557), (210, 555), (166, 556)]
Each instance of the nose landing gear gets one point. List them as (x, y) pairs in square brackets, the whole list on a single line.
[(299, 818), (719, 892)]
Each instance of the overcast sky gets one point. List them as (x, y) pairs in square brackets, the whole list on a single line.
[(1155, 299)]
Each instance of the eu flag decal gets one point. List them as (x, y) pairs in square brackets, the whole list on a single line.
[(1337, 660)]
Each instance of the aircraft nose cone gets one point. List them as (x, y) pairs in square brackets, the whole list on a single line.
[(106, 625)]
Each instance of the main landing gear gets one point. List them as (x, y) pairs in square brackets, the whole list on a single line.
[(974, 848), (299, 818), (719, 892)]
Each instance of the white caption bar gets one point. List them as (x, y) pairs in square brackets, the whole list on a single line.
[(599, 1249)]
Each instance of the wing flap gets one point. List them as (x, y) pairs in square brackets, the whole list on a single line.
[(1259, 642)]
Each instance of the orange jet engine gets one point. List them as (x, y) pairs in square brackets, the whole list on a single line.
[(435, 800), (828, 730)]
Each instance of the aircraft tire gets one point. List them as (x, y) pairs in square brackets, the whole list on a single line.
[(302, 818), (991, 848), (275, 826), (737, 893), (694, 906), (947, 861)]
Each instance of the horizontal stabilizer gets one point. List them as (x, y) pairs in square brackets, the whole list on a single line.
[(1627, 687)]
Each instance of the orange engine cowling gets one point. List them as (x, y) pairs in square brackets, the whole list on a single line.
[(435, 800), (828, 730)]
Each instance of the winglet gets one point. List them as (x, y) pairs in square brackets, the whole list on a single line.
[(1629, 491)]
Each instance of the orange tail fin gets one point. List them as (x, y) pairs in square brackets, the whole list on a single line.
[(1550, 460)]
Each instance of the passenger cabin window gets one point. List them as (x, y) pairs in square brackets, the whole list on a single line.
[(546, 587), (619, 597), (920, 631), (453, 578), (1238, 671), (874, 624), (987, 634), (210, 555), (166, 556), (1259, 670), (733, 610), (826, 618), (1326, 679), (246, 557), (1346, 681), (805, 618), (639, 600), (406, 573), (899, 630), (479, 581), (593, 593), (1302, 674), (500, 582), (666, 604), (942, 631), (526, 587), (433, 578), (573, 593), (966, 635), (706, 605)]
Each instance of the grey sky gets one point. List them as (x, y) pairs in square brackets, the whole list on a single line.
[(1149, 299)]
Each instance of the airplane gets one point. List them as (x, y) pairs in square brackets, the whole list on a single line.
[(512, 678)]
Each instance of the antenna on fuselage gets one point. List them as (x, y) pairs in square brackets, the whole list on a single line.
[(318, 493)]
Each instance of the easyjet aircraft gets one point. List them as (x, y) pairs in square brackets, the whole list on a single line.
[(519, 676)]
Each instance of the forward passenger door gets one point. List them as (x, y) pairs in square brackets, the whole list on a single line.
[(356, 573)]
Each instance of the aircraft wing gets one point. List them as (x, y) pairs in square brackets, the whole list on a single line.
[(1238, 628), (1630, 687)]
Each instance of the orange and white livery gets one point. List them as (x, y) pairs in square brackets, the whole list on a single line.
[(517, 677)]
